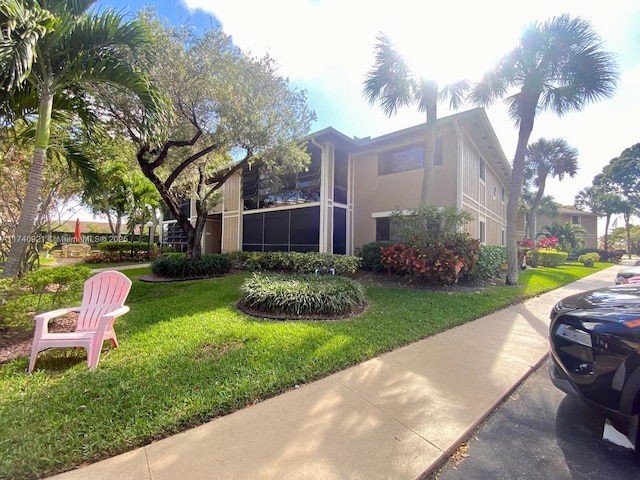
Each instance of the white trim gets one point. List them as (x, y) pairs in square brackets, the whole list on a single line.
[(381, 214), (285, 207), (459, 165)]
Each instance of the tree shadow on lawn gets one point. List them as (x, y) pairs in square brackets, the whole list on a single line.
[(172, 388)]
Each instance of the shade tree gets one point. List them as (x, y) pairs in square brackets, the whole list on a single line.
[(229, 110)]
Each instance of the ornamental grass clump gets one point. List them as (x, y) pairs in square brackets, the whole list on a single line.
[(297, 296)]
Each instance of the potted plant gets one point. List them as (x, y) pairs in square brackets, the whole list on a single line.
[(46, 248)]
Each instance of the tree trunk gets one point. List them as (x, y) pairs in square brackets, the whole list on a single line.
[(430, 153), (517, 174), (627, 226), (24, 231), (194, 249), (606, 238), (531, 232)]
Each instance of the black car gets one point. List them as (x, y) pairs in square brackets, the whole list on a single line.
[(594, 341)]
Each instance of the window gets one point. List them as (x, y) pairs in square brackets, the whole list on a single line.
[(483, 234), (483, 173), (290, 230), (340, 177), (339, 231), (383, 229), (438, 158), (262, 190), (502, 239), (575, 219), (503, 195), (495, 192), (395, 161), (406, 158)]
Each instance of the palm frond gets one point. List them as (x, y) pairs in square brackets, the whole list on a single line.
[(21, 28), (456, 93), (122, 76), (389, 82)]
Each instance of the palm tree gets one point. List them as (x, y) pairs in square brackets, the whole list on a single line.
[(559, 65), (546, 158), (568, 235), (627, 210), (391, 83), (54, 49), (604, 202)]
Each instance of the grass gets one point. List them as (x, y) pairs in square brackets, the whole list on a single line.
[(188, 355)]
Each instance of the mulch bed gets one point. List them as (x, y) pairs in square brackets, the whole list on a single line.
[(289, 316), (16, 342)]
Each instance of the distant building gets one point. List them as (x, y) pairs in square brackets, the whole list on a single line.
[(587, 220)]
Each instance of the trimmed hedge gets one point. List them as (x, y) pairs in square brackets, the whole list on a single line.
[(546, 258), (302, 295), (296, 262), (175, 266)]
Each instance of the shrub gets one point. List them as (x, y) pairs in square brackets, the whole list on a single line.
[(589, 259), (427, 223), (546, 258), (122, 248), (178, 266), (297, 262), (41, 290), (302, 295), (371, 255), (117, 252), (490, 263), (442, 262)]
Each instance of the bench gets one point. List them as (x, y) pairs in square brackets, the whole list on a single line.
[(75, 250)]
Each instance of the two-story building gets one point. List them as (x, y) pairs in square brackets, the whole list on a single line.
[(352, 185), (586, 220)]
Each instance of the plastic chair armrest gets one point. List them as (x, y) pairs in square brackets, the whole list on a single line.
[(46, 316)]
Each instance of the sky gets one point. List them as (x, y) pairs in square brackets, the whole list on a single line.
[(327, 46)]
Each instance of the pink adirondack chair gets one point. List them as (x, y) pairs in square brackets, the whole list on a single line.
[(102, 302)]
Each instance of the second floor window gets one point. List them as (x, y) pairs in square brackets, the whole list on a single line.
[(260, 190)]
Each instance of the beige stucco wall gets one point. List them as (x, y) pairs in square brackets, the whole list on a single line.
[(486, 199), (376, 194)]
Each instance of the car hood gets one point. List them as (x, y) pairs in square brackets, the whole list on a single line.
[(616, 303)]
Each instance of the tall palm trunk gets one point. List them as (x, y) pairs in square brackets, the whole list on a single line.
[(530, 232), (430, 97), (627, 227), (24, 231), (432, 136), (517, 174)]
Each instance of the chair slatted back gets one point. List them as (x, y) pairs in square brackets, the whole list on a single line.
[(103, 293)]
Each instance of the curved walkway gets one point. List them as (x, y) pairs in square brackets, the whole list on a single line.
[(397, 416)]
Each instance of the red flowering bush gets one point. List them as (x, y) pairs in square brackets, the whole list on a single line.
[(548, 243), (443, 261)]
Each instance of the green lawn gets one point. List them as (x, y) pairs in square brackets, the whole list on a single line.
[(188, 355)]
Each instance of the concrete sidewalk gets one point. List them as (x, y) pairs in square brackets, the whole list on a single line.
[(397, 416)]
